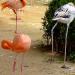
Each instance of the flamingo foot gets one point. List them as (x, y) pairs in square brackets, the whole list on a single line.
[(65, 67)]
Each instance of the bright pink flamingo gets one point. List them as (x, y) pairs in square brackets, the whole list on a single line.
[(20, 44)]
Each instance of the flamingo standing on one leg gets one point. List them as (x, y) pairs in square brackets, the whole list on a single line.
[(20, 44), (64, 14), (15, 5)]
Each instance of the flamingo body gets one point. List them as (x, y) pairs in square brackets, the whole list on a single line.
[(65, 14), (21, 43), (14, 4)]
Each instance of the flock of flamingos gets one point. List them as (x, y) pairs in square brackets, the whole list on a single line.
[(21, 42)]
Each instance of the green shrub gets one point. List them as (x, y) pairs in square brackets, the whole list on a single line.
[(72, 56)]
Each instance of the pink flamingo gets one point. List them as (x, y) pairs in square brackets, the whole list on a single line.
[(20, 44), (15, 5)]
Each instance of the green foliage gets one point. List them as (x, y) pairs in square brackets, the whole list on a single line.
[(72, 56), (59, 31)]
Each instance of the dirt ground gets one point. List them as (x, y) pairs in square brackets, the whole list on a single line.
[(35, 61)]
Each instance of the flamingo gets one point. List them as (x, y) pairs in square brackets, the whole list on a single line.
[(20, 44), (64, 14), (15, 5)]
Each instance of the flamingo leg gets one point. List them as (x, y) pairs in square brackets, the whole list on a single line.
[(52, 35), (22, 63), (14, 64), (31, 2), (16, 22), (65, 55)]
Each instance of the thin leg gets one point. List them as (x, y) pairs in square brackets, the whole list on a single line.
[(52, 35), (16, 22), (22, 63), (65, 55), (66, 43), (14, 64), (18, 18), (32, 2)]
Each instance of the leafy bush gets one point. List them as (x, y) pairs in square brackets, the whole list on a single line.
[(72, 56)]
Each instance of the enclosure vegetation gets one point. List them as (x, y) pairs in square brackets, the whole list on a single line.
[(59, 32)]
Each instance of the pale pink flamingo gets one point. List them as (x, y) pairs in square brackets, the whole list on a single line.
[(64, 14)]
